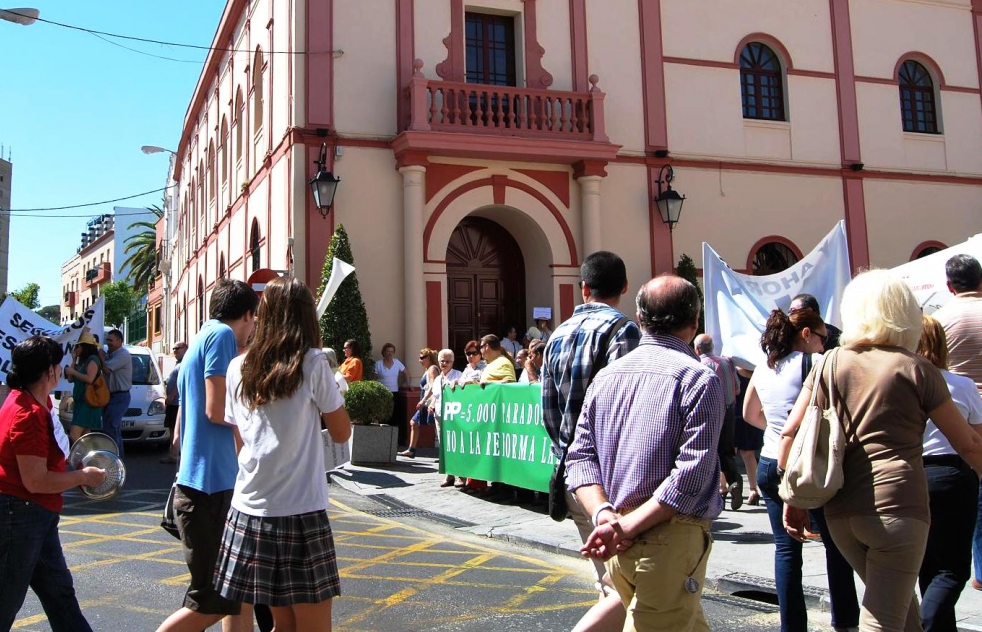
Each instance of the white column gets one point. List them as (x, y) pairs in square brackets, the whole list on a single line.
[(413, 201), (590, 203)]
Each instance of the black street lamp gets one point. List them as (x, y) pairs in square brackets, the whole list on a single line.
[(324, 185), (669, 201)]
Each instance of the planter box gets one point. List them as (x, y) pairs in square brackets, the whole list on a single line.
[(374, 444)]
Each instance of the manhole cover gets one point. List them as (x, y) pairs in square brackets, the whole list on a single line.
[(398, 509)]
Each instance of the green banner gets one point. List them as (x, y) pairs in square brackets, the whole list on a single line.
[(495, 433)]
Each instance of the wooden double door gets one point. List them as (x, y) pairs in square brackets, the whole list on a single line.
[(485, 283)]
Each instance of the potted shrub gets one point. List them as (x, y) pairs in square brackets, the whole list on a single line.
[(369, 404)]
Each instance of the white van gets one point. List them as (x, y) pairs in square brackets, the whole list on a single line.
[(143, 421)]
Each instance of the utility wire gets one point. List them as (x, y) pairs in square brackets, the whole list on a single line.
[(35, 215), (141, 52), (65, 208), (161, 42)]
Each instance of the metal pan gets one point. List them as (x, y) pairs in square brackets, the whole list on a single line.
[(90, 443), (115, 474)]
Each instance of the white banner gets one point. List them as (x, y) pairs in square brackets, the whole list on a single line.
[(926, 276), (737, 305), (18, 323)]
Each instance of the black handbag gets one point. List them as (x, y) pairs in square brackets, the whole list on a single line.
[(167, 522)]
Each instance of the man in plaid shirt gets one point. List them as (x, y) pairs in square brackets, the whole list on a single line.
[(573, 352)]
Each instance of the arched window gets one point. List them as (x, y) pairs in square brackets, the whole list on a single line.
[(254, 245), (202, 200), (773, 257), (212, 177), (194, 214), (238, 122), (184, 315), (927, 248), (257, 87), (221, 266), (201, 303), (761, 83), (917, 107), (223, 150)]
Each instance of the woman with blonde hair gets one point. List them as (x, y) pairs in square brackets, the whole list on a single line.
[(422, 417), (84, 369), (953, 489), (884, 395), (278, 548)]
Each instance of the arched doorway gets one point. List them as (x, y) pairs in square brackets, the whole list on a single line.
[(485, 283)]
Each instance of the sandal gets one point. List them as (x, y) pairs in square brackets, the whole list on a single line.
[(753, 498), (448, 482)]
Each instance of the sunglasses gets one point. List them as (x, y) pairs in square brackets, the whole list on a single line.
[(824, 338), (423, 358), (472, 353)]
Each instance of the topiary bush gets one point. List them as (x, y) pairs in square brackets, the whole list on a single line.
[(346, 316), (368, 402)]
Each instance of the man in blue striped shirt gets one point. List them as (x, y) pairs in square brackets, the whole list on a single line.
[(643, 464)]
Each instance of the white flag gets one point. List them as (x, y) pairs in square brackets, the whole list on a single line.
[(339, 272)]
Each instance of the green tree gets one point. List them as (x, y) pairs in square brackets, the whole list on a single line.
[(51, 313), (27, 296), (121, 300), (345, 317), (686, 269), (141, 249)]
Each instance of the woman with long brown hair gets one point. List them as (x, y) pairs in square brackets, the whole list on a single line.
[(277, 548)]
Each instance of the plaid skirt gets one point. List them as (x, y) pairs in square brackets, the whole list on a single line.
[(277, 561)]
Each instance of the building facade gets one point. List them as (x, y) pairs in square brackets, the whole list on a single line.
[(486, 147), (83, 276)]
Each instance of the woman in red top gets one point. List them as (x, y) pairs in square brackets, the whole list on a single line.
[(32, 478)]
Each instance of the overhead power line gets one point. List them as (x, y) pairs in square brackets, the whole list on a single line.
[(147, 40), (65, 208)]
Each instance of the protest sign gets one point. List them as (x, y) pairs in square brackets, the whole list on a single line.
[(737, 305), (926, 276), (18, 323), (495, 433)]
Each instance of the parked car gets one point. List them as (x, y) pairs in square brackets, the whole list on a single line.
[(143, 421)]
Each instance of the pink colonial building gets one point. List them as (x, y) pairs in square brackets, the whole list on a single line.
[(485, 147)]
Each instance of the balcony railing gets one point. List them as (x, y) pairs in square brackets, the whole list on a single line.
[(100, 274), (70, 299), (505, 110)]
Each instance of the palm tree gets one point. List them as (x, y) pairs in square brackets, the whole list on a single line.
[(142, 250)]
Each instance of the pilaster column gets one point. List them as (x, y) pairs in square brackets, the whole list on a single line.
[(589, 174), (590, 202), (413, 201)]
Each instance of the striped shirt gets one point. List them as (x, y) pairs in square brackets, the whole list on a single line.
[(570, 355), (649, 428), (961, 318)]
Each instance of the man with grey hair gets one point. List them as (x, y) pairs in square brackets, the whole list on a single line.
[(643, 463), (724, 368)]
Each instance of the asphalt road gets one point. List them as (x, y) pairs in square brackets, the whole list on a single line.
[(400, 570)]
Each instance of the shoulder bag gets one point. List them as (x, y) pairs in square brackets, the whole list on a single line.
[(97, 393), (813, 475)]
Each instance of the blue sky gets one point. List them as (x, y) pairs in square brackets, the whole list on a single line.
[(74, 111)]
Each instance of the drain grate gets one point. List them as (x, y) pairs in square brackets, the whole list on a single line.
[(757, 605), (747, 585), (397, 509)]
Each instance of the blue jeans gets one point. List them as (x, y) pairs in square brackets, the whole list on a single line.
[(953, 488), (788, 561), (30, 556), (112, 417)]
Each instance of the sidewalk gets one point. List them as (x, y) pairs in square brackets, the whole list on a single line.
[(742, 560)]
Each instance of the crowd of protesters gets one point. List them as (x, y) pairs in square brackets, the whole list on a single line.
[(646, 424)]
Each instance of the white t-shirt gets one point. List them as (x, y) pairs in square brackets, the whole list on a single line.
[(778, 388), (969, 404), (389, 376), (281, 464)]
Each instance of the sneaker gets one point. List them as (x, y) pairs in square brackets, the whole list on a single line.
[(409, 454), (736, 494), (976, 584)]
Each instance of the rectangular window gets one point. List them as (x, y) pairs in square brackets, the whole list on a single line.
[(490, 49), (156, 319)]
